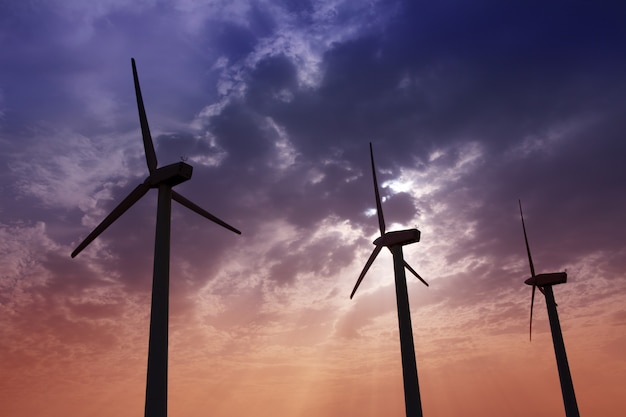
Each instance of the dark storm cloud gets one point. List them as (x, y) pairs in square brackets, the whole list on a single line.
[(306, 203), (426, 83), (480, 96), (324, 257), (241, 133), (538, 88), (269, 77), (571, 196), (488, 79)]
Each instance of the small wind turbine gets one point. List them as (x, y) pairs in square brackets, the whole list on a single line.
[(545, 282), (163, 179), (394, 241)]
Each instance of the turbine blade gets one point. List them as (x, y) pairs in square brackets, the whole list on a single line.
[(131, 199), (369, 262), (379, 206), (532, 303), (407, 266), (530, 258), (143, 120), (194, 207)]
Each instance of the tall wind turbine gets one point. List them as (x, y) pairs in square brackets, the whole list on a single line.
[(163, 179), (394, 241), (545, 282)]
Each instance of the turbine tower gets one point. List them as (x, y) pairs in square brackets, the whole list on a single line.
[(394, 241), (163, 179), (545, 282)]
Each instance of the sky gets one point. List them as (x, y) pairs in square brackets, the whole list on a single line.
[(469, 106)]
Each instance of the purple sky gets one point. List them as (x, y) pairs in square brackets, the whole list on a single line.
[(470, 106)]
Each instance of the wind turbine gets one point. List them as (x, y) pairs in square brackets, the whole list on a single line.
[(394, 242), (545, 282), (163, 179)]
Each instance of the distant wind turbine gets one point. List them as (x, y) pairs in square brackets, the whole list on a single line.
[(394, 241), (163, 179), (545, 282)]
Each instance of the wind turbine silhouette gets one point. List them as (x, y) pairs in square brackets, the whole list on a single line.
[(394, 241), (545, 282), (163, 179)]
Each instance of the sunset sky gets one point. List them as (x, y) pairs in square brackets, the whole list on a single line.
[(470, 106)]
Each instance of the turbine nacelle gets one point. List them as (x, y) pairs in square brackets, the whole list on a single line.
[(550, 278), (400, 237), (171, 175)]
